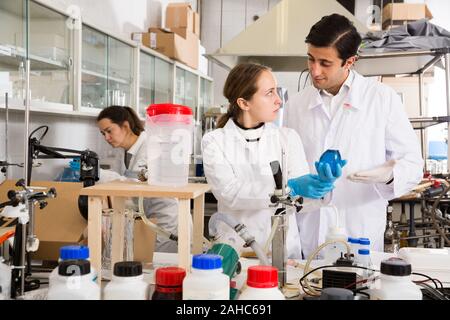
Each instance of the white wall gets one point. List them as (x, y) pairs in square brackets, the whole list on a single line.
[(221, 21)]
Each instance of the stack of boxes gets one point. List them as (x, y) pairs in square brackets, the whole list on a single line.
[(180, 39), (395, 14)]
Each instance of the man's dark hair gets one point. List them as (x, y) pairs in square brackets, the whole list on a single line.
[(335, 31)]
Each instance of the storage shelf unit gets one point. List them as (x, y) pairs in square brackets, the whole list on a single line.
[(82, 70), (413, 62)]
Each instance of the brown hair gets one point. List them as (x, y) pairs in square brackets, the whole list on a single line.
[(119, 115), (240, 83)]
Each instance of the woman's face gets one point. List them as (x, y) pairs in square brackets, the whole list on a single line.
[(114, 134), (265, 103)]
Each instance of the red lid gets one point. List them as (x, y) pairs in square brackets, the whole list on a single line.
[(262, 277), (168, 108), (170, 276), (436, 184)]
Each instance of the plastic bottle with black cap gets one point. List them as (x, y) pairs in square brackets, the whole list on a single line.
[(127, 282), (395, 282)]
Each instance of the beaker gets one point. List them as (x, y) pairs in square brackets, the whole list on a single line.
[(128, 252)]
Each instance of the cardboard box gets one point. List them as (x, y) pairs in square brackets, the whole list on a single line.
[(60, 223), (182, 32), (196, 24), (406, 11), (173, 46), (180, 15)]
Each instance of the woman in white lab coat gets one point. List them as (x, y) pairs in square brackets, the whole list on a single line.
[(237, 155), (123, 129)]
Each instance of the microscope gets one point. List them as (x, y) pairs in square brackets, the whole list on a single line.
[(281, 200)]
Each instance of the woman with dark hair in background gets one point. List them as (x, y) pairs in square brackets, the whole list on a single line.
[(123, 129)]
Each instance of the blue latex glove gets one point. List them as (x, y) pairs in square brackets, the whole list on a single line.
[(328, 174), (309, 186)]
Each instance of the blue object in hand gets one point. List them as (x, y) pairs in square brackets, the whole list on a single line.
[(330, 165), (309, 186)]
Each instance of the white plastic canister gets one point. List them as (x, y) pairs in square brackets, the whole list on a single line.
[(395, 282), (5, 280), (262, 284), (74, 282), (127, 282), (169, 129), (206, 280)]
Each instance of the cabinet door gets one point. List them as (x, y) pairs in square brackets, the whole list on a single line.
[(13, 51), (51, 45), (163, 81), (146, 82), (186, 90), (205, 99), (94, 69), (120, 72)]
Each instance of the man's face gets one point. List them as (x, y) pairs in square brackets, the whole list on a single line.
[(325, 66)]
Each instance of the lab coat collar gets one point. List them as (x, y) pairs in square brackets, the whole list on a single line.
[(268, 130), (352, 100), (137, 145)]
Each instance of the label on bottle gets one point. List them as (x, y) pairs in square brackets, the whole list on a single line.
[(223, 294)]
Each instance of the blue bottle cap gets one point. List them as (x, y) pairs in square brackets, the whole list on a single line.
[(74, 253), (364, 252), (353, 240), (364, 241), (207, 261)]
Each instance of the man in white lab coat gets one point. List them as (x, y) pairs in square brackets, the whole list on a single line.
[(363, 119)]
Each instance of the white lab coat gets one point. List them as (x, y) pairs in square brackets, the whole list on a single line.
[(165, 210), (241, 178), (369, 128)]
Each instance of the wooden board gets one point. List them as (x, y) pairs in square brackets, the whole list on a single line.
[(139, 189)]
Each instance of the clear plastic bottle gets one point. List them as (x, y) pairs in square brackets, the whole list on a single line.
[(354, 246), (72, 253), (74, 282), (395, 282), (334, 251), (262, 284), (365, 261), (169, 283), (206, 280), (127, 282), (364, 243)]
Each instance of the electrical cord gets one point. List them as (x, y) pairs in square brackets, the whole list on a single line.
[(300, 79), (315, 253), (435, 281)]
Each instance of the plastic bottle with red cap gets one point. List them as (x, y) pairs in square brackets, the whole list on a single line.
[(169, 283), (262, 284)]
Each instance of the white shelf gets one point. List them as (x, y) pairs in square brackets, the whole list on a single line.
[(12, 56), (104, 76), (48, 108)]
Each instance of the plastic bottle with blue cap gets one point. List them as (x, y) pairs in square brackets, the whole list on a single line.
[(365, 261), (74, 283), (71, 253), (70, 173), (206, 280)]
